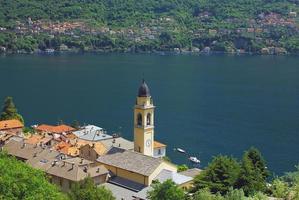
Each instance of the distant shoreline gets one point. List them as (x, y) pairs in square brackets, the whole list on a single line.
[(162, 53)]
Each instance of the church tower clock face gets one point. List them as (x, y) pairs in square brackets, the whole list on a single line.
[(148, 142)]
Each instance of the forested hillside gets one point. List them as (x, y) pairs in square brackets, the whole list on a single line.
[(261, 26)]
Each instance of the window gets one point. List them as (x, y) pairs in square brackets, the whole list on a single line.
[(159, 152), (148, 119), (139, 119)]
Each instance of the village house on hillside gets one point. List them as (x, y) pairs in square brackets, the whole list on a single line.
[(69, 155), (12, 126)]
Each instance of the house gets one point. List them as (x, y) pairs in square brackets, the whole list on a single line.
[(65, 173), (159, 150), (39, 140), (4, 137), (92, 151), (12, 126), (118, 142), (179, 179), (54, 129), (21, 150), (92, 133), (134, 166)]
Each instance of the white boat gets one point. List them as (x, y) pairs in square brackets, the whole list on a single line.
[(194, 160), (180, 150)]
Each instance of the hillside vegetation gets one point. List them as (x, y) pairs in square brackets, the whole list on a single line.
[(262, 26)]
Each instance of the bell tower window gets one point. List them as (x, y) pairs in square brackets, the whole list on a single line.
[(139, 119), (149, 119)]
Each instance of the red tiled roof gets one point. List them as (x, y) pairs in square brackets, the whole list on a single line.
[(10, 124), (54, 129)]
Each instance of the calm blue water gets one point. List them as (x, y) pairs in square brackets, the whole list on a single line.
[(207, 105)]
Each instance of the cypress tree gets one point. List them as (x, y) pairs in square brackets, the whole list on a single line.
[(9, 111)]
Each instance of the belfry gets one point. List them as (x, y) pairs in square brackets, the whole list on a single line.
[(144, 121)]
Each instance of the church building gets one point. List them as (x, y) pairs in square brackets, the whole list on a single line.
[(144, 125)]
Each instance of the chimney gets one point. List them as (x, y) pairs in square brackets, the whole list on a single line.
[(85, 169), (92, 145), (54, 163)]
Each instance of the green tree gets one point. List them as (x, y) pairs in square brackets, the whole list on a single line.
[(166, 191), (259, 196), (87, 190), (182, 168), (20, 181), (291, 177), (9, 111), (235, 195), (205, 194), (220, 175), (279, 188), (253, 172)]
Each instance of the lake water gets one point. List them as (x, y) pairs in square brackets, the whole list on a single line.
[(207, 105)]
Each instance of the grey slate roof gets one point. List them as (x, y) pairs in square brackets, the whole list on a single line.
[(75, 172), (119, 143), (174, 176), (191, 172), (132, 161), (120, 193), (21, 150), (44, 159)]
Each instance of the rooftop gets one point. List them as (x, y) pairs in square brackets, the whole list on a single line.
[(174, 176), (22, 150), (91, 133), (38, 139), (119, 143), (143, 90), (120, 193), (191, 172), (74, 172), (54, 129), (132, 161), (10, 124), (158, 145)]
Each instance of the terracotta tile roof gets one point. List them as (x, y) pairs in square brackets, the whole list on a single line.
[(99, 148), (158, 145), (62, 147), (10, 124), (35, 139), (71, 136), (54, 129), (73, 151)]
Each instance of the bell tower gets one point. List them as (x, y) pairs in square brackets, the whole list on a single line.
[(144, 121)]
